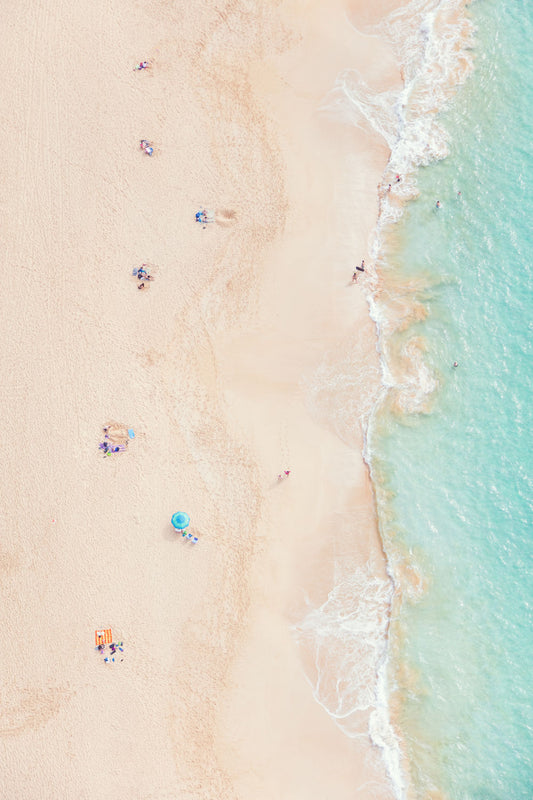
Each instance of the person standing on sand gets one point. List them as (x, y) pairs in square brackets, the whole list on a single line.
[(360, 269)]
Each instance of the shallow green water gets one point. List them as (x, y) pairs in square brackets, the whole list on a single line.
[(460, 474)]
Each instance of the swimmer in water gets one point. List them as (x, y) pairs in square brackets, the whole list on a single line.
[(438, 204), (455, 364)]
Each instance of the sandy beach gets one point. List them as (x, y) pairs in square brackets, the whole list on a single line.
[(250, 353)]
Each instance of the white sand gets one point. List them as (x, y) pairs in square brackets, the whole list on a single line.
[(210, 368)]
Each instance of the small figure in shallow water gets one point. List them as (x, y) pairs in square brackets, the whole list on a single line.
[(437, 205), (455, 364)]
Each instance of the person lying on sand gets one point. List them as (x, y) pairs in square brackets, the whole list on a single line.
[(144, 275), (147, 147)]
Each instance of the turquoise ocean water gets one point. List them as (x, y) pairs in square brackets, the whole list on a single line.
[(453, 469)]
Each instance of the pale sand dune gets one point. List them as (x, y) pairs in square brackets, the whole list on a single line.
[(209, 368)]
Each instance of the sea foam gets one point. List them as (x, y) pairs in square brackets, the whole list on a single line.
[(431, 40)]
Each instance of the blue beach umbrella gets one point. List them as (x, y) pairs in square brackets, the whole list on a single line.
[(180, 520)]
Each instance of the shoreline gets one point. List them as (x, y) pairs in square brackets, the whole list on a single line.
[(341, 441), (250, 354), (392, 310)]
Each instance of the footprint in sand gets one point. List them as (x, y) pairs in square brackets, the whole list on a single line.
[(117, 432), (225, 216)]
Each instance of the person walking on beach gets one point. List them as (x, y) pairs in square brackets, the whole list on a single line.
[(358, 269)]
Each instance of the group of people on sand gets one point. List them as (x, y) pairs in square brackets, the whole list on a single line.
[(204, 216), (146, 147), (109, 448), (112, 649), (143, 276)]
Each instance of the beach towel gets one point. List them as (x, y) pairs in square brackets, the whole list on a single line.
[(103, 636)]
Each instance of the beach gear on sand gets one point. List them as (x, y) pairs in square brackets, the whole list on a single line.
[(180, 520), (147, 147), (204, 216), (131, 433), (103, 636)]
